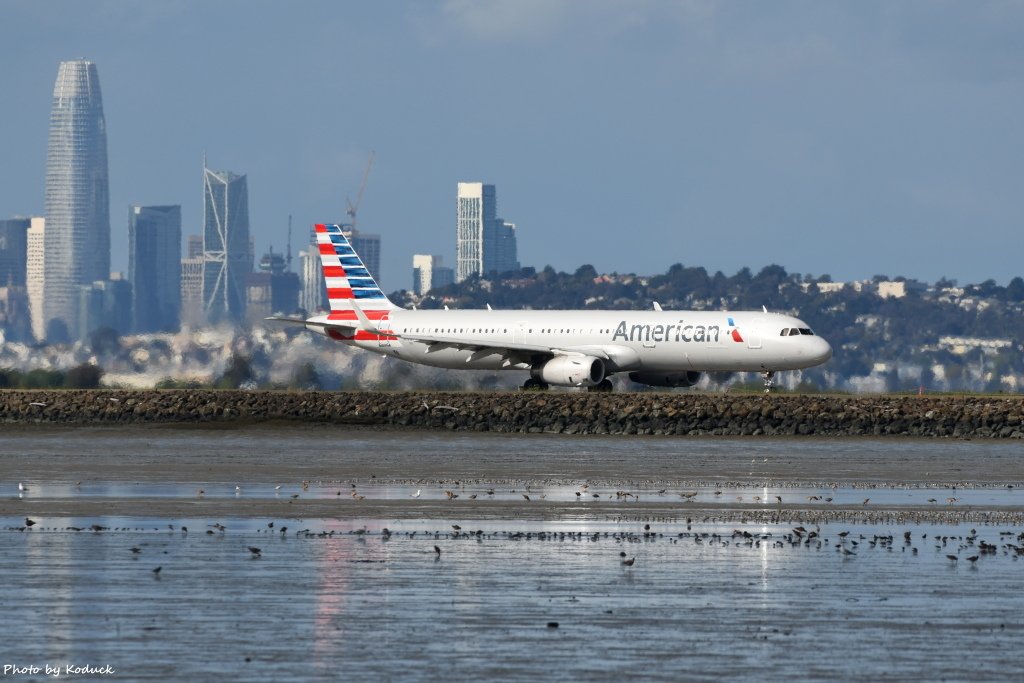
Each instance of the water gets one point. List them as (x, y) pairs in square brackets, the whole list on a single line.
[(335, 596)]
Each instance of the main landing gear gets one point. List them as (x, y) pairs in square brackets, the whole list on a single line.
[(534, 385), (769, 379), (602, 387)]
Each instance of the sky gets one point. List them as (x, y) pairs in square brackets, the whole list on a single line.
[(844, 138)]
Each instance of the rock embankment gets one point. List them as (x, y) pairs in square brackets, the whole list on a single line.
[(556, 412)]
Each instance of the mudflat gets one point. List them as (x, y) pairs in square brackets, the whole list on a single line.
[(328, 471)]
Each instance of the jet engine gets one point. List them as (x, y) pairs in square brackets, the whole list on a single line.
[(666, 379), (571, 371)]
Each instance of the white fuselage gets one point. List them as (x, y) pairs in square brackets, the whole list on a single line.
[(659, 341)]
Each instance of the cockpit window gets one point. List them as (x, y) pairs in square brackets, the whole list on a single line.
[(806, 330)]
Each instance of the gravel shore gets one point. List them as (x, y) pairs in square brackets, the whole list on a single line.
[(693, 414)]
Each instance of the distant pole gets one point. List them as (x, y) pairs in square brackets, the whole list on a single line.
[(288, 251)]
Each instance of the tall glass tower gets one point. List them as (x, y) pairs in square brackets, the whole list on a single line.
[(77, 236), (227, 254), (154, 267)]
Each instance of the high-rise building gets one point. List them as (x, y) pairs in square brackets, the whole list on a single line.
[(272, 289), (77, 236), (484, 243), (14, 251), (476, 210), (428, 272), (313, 288), (367, 246), (35, 276), (15, 318), (104, 303), (154, 267), (194, 246), (192, 291), (500, 250), (227, 251)]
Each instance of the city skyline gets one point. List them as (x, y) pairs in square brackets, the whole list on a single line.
[(849, 139)]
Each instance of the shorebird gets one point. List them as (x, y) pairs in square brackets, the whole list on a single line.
[(865, 501), (135, 550), (972, 559), (778, 498), (255, 551), (629, 562), (22, 488), (456, 527), (437, 550), (954, 558), (277, 488), (156, 572), (29, 522), (526, 496), (417, 494)]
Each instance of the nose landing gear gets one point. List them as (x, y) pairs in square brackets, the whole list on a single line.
[(769, 380)]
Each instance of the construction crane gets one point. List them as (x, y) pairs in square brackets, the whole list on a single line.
[(354, 208)]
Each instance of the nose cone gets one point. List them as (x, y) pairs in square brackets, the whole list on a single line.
[(820, 351)]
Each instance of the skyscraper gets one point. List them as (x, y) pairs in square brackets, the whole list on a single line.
[(313, 292), (154, 267), (484, 243), (367, 246), (429, 272), (227, 253), (475, 213), (35, 276), (77, 235), (500, 249), (13, 251)]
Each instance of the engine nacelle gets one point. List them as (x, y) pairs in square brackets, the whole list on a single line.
[(571, 371), (666, 379)]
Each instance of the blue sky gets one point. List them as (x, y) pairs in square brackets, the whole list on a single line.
[(848, 138)]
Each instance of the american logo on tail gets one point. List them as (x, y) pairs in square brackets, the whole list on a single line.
[(565, 348)]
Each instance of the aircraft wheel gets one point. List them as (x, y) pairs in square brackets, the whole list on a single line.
[(534, 385)]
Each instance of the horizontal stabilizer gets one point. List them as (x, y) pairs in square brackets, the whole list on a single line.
[(347, 330)]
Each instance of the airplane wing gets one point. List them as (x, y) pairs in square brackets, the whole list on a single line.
[(619, 356)]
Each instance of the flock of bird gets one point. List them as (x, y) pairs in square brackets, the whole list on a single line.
[(970, 547)]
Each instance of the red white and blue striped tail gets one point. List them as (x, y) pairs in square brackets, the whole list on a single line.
[(346, 275)]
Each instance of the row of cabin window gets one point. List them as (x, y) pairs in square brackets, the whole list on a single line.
[(794, 331), (530, 331)]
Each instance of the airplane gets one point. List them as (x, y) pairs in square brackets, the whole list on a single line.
[(566, 348)]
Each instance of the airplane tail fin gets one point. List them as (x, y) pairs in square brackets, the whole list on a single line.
[(349, 283)]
